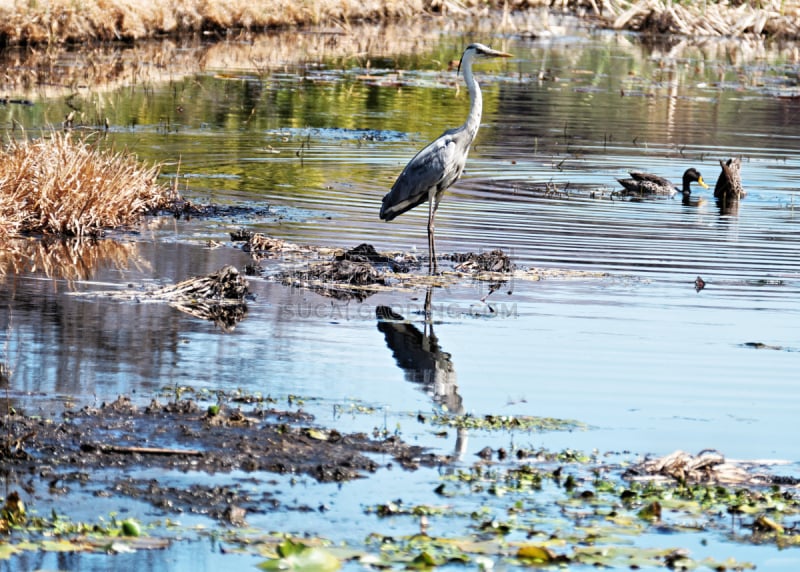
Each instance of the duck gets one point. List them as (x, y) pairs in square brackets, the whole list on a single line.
[(728, 190), (729, 184), (650, 184)]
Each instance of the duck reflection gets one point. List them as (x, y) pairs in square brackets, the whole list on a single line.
[(422, 360)]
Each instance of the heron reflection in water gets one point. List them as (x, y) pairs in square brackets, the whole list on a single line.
[(423, 361)]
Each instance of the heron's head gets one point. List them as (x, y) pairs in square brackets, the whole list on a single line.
[(694, 175), (480, 51)]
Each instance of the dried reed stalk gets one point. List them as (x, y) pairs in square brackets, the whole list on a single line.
[(65, 186), (67, 21), (776, 18)]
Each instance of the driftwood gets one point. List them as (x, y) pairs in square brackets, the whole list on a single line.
[(708, 466), (218, 297), (140, 450), (728, 190), (263, 247), (224, 284)]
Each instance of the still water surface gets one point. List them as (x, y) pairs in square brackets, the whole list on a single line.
[(630, 348)]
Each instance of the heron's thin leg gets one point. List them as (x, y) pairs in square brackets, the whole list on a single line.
[(428, 317), (432, 265)]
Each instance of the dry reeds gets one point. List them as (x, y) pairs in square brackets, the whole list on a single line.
[(775, 18), (67, 21), (65, 186)]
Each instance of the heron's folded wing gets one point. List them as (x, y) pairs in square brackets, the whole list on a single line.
[(436, 166)]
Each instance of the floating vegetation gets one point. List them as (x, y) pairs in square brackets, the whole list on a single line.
[(295, 555), (224, 284), (505, 422), (361, 271), (494, 261), (763, 346), (421, 551), (708, 466), (532, 508), (56, 533), (218, 297), (565, 513)]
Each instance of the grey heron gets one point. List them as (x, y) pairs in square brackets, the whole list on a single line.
[(439, 164), (649, 184)]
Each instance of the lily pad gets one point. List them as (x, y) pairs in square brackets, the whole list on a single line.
[(301, 558)]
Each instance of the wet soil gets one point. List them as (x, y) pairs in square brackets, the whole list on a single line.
[(183, 436)]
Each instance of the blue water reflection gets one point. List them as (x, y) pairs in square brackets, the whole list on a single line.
[(622, 341)]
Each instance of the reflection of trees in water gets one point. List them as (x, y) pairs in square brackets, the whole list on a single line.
[(57, 343), (640, 94), (418, 353)]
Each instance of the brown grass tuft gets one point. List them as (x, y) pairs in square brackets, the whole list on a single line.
[(66, 186), (68, 21)]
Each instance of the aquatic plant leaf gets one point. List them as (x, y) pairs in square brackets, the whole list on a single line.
[(628, 556), (63, 546), (317, 434), (8, 550), (131, 528), (651, 511), (766, 524), (507, 423), (728, 564), (422, 561), (301, 558), (536, 552)]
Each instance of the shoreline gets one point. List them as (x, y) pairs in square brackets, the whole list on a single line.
[(62, 22)]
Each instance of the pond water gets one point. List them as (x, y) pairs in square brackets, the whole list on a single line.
[(628, 347)]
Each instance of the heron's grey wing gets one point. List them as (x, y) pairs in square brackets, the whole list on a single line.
[(436, 166)]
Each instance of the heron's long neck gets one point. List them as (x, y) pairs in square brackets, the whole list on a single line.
[(475, 102)]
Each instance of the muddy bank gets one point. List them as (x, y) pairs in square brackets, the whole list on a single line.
[(80, 447)]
